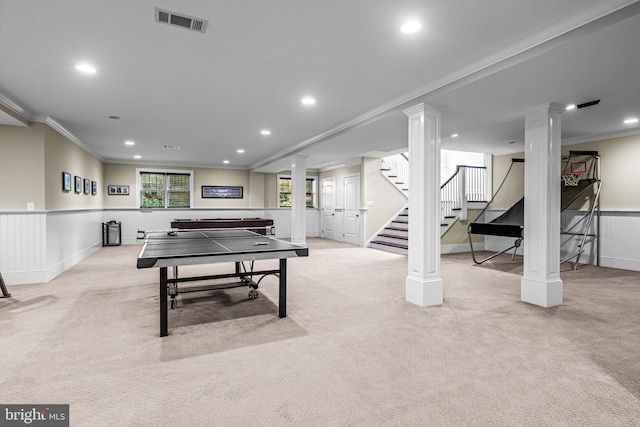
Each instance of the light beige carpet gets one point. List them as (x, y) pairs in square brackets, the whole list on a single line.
[(352, 351)]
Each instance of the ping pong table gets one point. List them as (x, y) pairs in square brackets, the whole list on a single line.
[(163, 249)]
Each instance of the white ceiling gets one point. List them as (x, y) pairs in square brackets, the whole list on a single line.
[(482, 64)]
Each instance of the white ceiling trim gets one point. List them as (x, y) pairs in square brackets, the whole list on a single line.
[(15, 107), (64, 132)]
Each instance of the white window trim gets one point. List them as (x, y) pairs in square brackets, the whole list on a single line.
[(175, 171), (315, 193)]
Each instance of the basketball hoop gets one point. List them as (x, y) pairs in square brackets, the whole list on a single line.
[(571, 179)]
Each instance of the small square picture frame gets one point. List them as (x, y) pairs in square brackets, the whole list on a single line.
[(78, 184), (66, 181)]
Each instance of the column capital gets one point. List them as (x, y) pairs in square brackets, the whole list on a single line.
[(552, 108), (414, 110), (421, 108)]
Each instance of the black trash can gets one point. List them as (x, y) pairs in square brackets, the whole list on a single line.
[(111, 233)]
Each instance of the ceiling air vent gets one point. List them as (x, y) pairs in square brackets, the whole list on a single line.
[(180, 20)]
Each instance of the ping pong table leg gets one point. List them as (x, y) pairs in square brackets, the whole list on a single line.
[(282, 300), (164, 329)]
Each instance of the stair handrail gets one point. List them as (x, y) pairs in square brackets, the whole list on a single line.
[(466, 184), (398, 166)]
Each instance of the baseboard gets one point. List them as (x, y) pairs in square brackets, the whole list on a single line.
[(620, 263), (58, 268)]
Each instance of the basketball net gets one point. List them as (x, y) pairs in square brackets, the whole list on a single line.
[(571, 179)]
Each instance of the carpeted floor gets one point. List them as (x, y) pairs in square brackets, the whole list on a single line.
[(352, 351)]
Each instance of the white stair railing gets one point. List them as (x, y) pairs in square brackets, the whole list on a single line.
[(467, 184), (397, 170)]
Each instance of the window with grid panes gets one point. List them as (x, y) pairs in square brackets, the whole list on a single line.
[(284, 191), (165, 190)]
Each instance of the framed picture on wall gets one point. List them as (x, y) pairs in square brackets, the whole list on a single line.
[(87, 186), (66, 181), (78, 181), (118, 190), (94, 188), (221, 192)]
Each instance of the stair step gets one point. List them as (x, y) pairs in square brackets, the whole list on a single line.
[(394, 236), (393, 245)]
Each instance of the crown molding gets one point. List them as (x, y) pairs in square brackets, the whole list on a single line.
[(53, 124)]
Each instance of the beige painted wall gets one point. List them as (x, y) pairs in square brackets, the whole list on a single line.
[(386, 198), (117, 174), (499, 168), (619, 171), (22, 167), (458, 233), (339, 174), (253, 185), (271, 188), (62, 155)]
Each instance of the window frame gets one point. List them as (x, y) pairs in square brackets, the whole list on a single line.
[(314, 190), (140, 171)]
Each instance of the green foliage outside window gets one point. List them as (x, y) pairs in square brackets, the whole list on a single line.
[(285, 193), (161, 190)]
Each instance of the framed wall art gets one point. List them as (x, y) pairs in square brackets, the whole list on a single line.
[(94, 188), (118, 190), (66, 181), (87, 186), (221, 192), (78, 183)]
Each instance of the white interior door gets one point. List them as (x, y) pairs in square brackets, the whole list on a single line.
[(352, 209), (329, 208)]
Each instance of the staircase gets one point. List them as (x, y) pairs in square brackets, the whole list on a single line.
[(467, 184)]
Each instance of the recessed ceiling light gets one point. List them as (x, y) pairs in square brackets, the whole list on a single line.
[(137, 156), (240, 151), (308, 100), (171, 147), (631, 120), (225, 162), (411, 27), (265, 132), (455, 135), (129, 143), (570, 107), (86, 68)]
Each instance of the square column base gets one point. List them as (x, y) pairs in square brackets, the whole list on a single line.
[(545, 294), (424, 292)]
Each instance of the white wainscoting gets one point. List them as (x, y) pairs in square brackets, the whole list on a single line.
[(71, 237), (35, 247), (619, 248), (23, 243), (160, 219)]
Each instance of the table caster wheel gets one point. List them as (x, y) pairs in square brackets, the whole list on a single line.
[(253, 294), (174, 304)]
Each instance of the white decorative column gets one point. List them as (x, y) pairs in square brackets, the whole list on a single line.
[(424, 286), (298, 200), (541, 284)]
